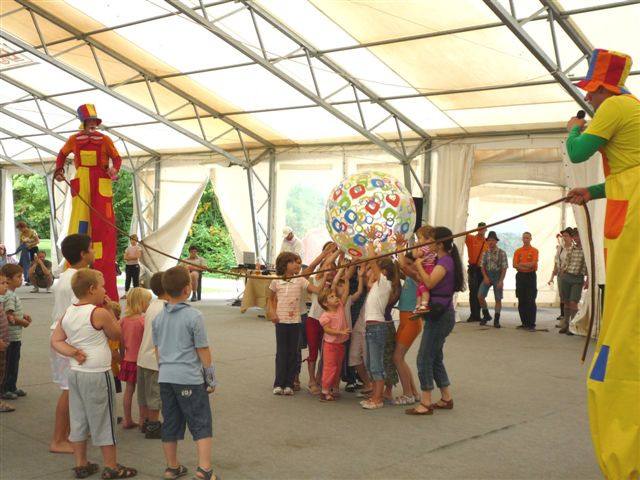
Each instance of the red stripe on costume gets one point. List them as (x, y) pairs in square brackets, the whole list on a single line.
[(616, 67)]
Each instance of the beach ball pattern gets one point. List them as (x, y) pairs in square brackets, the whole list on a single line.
[(364, 200)]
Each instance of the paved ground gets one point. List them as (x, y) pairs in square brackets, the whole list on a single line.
[(520, 412)]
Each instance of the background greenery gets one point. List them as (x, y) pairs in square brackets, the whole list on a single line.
[(305, 209), (209, 234), (208, 231)]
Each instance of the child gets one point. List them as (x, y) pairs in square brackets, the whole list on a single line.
[(428, 256), (114, 346), (186, 376), (380, 281), (78, 252), (148, 387), (4, 339), (336, 303), (82, 335), (132, 326), (283, 308), (17, 321)]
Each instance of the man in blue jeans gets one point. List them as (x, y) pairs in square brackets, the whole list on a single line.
[(494, 267)]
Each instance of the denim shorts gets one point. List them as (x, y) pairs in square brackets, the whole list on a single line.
[(376, 335), (185, 405), (494, 278)]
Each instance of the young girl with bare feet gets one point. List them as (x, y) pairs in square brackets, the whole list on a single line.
[(132, 325)]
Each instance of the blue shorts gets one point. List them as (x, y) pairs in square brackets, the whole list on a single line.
[(376, 335), (494, 278), (185, 405)]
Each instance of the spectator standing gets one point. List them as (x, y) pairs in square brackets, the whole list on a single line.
[(494, 267), (132, 268), (29, 241), (558, 261), (525, 261), (40, 273), (573, 281), (196, 266), (476, 245), (291, 243)]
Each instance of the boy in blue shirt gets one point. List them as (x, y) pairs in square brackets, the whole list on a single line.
[(186, 375)]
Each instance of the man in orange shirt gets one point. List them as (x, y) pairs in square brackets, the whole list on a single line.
[(476, 245), (525, 261)]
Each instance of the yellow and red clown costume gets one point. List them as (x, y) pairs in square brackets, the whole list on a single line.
[(92, 151), (613, 382)]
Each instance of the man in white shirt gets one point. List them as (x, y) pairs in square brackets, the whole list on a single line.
[(291, 243)]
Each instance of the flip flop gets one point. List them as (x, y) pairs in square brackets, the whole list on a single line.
[(6, 408)]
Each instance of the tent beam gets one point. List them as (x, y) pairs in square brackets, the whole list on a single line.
[(286, 78), (126, 100), (537, 51)]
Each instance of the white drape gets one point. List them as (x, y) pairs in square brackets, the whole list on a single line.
[(450, 193), (170, 236), (7, 220)]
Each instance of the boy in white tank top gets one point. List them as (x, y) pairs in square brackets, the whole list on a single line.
[(82, 335)]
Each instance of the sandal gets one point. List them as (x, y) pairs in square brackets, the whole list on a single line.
[(171, 473), (327, 397), (369, 405), (414, 411), (5, 408), (119, 472), (205, 475), (446, 404), (315, 389), (85, 470), (364, 393), (403, 400)]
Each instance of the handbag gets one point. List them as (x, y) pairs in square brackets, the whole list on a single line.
[(436, 310)]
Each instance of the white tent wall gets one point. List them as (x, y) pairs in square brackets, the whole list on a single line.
[(7, 219)]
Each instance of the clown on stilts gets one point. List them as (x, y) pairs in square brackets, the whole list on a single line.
[(93, 182), (613, 382)]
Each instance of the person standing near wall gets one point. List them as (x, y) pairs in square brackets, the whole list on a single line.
[(29, 241), (132, 267), (525, 261), (476, 245), (494, 267)]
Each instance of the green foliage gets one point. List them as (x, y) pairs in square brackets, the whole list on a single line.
[(123, 208), (509, 242), (31, 202), (209, 234), (305, 209)]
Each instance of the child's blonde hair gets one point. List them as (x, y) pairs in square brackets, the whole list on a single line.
[(138, 299), (83, 280), (426, 231)]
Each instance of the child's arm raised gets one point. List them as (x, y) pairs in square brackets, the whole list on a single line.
[(358, 293), (316, 261), (60, 345)]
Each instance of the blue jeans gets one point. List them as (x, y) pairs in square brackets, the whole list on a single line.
[(430, 356), (376, 336)]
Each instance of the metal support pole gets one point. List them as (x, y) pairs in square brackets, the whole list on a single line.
[(426, 186), (254, 220), (52, 216), (271, 223), (535, 49), (156, 194)]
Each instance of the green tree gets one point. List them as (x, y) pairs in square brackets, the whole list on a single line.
[(209, 233), (123, 208), (305, 209), (31, 202)]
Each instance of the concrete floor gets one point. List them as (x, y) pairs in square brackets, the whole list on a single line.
[(520, 412)]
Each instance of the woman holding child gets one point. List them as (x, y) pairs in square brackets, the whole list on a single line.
[(445, 279)]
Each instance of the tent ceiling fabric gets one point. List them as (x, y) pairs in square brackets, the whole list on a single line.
[(442, 68)]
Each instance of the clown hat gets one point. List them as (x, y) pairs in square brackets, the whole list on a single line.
[(607, 69), (88, 112)]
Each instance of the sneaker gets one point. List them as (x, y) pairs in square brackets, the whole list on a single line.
[(35, 290), (288, 391), (351, 387), (473, 319), (277, 391), (194, 299), (21, 393), (9, 396), (48, 290), (520, 327), (559, 317)]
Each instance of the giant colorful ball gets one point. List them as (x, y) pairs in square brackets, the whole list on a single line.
[(369, 200)]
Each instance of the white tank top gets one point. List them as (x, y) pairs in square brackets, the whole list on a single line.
[(81, 333)]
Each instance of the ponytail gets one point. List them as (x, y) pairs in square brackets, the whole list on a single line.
[(452, 250)]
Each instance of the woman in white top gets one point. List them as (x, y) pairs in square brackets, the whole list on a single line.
[(132, 268)]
